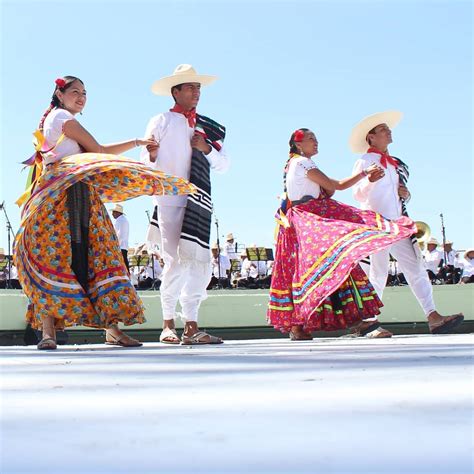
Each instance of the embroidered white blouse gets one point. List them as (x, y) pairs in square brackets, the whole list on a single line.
[(52, 130), (297, 182)]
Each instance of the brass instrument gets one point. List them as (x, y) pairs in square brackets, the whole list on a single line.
[(423, 233)]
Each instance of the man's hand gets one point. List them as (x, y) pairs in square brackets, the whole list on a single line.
[(200, 144), (403, 192), (152, 147)]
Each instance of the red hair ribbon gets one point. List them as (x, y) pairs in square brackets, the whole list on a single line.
[(60, 82), (298, 136)]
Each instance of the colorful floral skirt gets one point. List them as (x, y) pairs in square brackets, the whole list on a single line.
[(43, 246), (316, 280)]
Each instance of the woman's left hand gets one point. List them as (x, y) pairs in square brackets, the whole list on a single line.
[(148, 142), (374, 173)]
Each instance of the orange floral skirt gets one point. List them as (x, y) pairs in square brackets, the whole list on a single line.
[(43, 252)]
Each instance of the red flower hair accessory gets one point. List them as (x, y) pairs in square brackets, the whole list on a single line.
[(298, 136), (60, 82)]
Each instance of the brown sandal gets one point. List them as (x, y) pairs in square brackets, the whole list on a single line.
[(300, 335), (447, 325), (47, 344), (121, 340), (198, 338), (371, 330)]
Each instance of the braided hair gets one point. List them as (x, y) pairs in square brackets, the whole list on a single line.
[(55, 103), (293, 150)]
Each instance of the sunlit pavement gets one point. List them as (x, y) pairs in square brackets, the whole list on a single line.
[(400, 405)]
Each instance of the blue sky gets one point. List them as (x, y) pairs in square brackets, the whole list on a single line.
[(282, 65)]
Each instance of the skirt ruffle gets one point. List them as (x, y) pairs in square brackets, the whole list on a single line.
[(43, 252), (316, 280)]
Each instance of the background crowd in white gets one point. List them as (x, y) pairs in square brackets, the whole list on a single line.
[(235, 265)]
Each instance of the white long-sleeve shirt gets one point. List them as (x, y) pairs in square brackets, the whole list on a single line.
[(450, 257), (229, 250), (432, 259), (121, 227), (382, 195), (467, 265), (249, 269), (172, 131), (221, 269)]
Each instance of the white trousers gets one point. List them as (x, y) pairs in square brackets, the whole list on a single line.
[(184, 282), (408, 264)]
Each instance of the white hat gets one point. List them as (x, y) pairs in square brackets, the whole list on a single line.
[(358, 139), (432, 241), (229, 237), (214, 246), (118, 208), (139, 250), (467, 252), (243, 253), (183, 74)]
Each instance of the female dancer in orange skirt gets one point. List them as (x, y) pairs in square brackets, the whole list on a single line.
[(317, 283), (67, 254)]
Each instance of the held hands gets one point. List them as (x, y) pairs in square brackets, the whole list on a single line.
[(152, 147), (403, 192), (200, 144), (374, 173)]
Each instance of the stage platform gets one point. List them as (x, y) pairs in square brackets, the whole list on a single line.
[(241, 314), (400, 405)]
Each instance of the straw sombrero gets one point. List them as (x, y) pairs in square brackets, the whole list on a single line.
[(183, 73), (229, 237), (357, 140), (467, 252), (118, 208), (432, 241)]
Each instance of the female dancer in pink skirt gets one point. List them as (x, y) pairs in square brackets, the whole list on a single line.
[(317, 284)]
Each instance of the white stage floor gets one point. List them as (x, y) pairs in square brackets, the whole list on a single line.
[(403, 405)]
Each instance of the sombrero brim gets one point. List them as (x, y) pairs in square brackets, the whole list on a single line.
[(357, 140), (163, 86), (467, 252)]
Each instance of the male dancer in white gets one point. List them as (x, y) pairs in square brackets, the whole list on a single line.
[(184, 278), (388, 197)]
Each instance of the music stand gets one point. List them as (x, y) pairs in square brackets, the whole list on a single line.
[(253, 253), (235, 265)]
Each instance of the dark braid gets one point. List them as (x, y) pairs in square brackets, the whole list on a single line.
[(293, 149), (55, 103)]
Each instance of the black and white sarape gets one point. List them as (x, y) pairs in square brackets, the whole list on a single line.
[(194, 241)]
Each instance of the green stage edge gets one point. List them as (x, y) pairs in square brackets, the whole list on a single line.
[(240, 314)]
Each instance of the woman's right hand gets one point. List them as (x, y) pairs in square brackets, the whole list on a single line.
[(152, 147), (374, 173)]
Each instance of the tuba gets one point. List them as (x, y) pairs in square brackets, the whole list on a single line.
[(423, 233)]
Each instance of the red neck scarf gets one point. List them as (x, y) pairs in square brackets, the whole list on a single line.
[(189, 114), (384, 157)]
